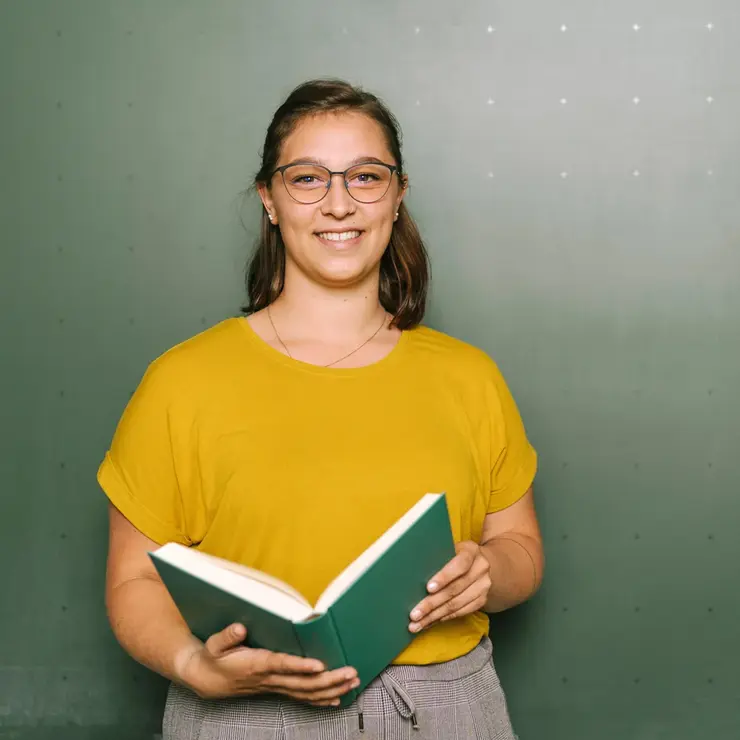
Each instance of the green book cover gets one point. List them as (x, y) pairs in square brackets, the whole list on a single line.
[(361, 619)]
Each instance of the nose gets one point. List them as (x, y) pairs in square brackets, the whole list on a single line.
[(338, 202)]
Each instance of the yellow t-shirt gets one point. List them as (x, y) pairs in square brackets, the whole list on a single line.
[(230, 446)]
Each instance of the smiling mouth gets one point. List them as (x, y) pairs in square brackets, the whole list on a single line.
[(339, 237)]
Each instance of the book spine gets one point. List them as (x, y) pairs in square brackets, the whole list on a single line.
[(320, 639)]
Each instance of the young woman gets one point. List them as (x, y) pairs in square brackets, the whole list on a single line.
[(290, 438)]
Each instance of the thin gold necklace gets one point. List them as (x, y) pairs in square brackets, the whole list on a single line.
[(344, 357)]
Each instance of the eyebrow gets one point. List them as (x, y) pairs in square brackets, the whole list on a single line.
[(313, 160)]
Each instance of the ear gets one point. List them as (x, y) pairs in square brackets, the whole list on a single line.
[(404, 186), (267, 201)]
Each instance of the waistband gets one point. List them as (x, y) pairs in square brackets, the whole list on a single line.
[(394, 680)]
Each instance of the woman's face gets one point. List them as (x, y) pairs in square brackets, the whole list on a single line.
[(337, 141)]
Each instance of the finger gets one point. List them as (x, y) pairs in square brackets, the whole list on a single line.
[(225, 640), (267, 662), (469, 601), (325, 695), (307, 684), (433, 602), (325, 703), (328, 694), (479, 570), (460, 564)]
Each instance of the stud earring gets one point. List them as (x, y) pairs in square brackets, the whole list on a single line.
[(269, 215)]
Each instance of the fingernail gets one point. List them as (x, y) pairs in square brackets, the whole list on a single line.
[(414, 627), (432, 586), (355, 683), (335, 703), (416, 614)]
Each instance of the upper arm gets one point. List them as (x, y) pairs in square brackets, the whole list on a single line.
[(150, 472), (512, 457), (128, 552), (519, 518)]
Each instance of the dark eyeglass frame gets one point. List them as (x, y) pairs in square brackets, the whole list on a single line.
[(392, 167)]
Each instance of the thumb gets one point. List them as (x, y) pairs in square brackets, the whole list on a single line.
[(229, 638), (467, 552)]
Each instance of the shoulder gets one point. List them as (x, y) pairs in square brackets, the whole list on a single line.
[(447, 353), (458, 367), (467, 374), (200, 360)]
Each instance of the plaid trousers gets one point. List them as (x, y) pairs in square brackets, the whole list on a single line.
[(461, 699)]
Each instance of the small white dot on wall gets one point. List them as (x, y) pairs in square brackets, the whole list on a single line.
[(563, 28), (563, 101), (490, 175), (636, 27), (418, 102), (490, 29), (564, 175), (710, 99), (491, 101), (710, 26), (417, 30), (636, 101), (636, 173), (710, 172)]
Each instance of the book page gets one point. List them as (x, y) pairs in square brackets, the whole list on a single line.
[(259, 588), (355, 569), (258, 575)]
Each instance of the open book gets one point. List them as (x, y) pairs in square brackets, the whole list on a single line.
[(361, 618)]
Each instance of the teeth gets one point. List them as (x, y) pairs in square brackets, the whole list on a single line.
[(343, 236)]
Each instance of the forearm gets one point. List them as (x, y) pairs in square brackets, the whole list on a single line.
[(149, 627), (516, 565)]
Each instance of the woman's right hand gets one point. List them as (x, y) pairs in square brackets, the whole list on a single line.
[(223, 667)]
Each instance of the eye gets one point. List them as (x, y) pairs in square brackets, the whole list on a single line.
[(366, 177), (369, 176), (302, 176)]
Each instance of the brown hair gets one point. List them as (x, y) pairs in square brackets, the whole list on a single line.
[(404, 266)]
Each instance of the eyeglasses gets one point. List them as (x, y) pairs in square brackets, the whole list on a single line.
[(309, 183)]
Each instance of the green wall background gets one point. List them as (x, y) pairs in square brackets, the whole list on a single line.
[(591, 246)]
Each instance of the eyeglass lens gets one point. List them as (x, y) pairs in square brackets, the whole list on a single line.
[(307, 183)]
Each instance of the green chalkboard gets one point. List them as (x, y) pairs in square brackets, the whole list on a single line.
[(574, 172)]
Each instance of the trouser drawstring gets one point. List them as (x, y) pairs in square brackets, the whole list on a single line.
[(403, 703)]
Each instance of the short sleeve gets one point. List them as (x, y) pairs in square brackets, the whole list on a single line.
[(145, 469), (514, 460)]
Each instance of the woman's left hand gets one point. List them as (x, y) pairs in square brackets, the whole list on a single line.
[(460, 588)]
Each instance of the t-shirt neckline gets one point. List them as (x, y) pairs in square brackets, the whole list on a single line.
[(275, 356)]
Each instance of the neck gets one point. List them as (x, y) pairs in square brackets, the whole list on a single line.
[(306, 309)]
